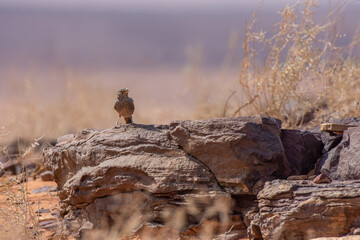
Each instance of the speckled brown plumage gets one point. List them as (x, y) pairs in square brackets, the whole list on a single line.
[(124, 105)]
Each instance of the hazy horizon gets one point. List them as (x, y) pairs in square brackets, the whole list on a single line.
[(43, 37)]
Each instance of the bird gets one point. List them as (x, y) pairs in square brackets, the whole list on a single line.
[(124, 106)]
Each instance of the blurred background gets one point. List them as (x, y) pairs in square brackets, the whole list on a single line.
[(62, 61)]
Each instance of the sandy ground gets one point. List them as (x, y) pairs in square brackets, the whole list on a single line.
[(45, 205)]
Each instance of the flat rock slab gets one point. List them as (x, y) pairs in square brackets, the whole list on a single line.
[(49, 224), (304, 210), (44, 189), (335, 127), (322, 178), (43, 210)]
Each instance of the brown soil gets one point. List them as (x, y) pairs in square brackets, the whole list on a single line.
[(37, 201)]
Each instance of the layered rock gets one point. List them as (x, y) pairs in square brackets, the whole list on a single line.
[(304, 210), (97, 171), (181, 176), (165, 166)]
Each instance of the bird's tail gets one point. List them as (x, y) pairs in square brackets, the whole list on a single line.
[(128, 120)]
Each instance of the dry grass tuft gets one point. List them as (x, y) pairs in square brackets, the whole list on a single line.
[(215, 216), (306, 76), (16, 210)]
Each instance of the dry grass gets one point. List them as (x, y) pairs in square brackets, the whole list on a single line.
[(171, 222), (306, 76), (34, 111), (16, 210), (81, 100)]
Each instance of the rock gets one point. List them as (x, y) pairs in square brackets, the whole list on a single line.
[(14, 150), (46, 176), (129, 156), (124, 171), (162, 171), (239, 151), (49, 224), (343, 161), (311, 177), (17, 147), (322, 178), (55, 214), (43, 210), (47, 218), (13, 167), (302, 150), (44, 189), (290, 210), (177, 180), (346, 121), (123, 159), (330, 141), (356, 231), (335, 127), (230, 236), (86, 229), (18, 166)]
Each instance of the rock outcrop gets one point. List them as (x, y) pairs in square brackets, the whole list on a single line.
[(164, 166), (131, 166), (196, 178), (303, 210)]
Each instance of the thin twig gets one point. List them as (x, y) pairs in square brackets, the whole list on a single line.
[(227, 103), (244, 105)]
